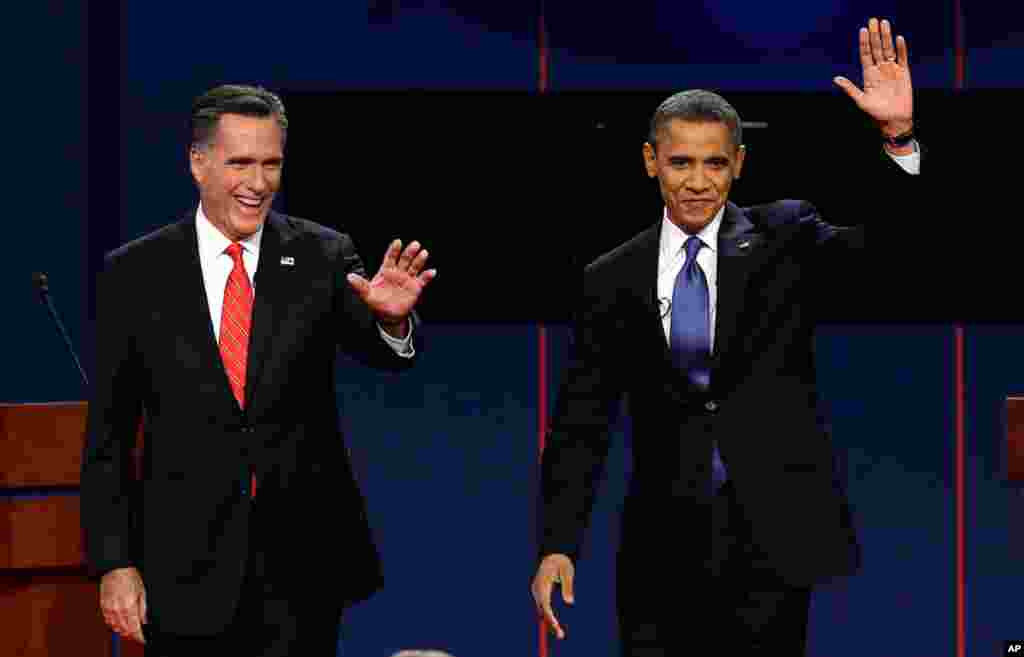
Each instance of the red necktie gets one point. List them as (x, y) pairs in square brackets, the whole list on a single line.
[(235, 322), (235, 325)]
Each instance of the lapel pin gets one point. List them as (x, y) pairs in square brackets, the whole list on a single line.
[(744, 244), (287, 261)]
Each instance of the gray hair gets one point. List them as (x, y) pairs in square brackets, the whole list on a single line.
[(696, 105), (232, 99)]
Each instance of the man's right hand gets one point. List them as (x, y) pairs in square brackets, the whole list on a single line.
[(553, 569), (123, 602)]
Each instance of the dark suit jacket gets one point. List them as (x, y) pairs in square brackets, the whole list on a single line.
[(185, 525), (774, 267)]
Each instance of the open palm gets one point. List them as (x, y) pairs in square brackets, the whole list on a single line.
[(393, 292), (887, 96)]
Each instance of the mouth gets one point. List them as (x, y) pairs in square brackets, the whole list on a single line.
[(249, 204), (697, 203)]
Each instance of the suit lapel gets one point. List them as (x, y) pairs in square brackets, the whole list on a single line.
[(643, 275), (269, 282), (736, 242), (198, 326)]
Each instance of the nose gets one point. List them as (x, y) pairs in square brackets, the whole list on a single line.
[(698, 181), (257, 180)]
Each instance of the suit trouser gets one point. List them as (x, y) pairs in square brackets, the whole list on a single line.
[(734, 608), (271, 619)]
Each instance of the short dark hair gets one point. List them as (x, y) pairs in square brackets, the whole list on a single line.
[(696, 105), (232, 99)]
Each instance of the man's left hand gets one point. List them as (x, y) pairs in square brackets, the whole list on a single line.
[(888, 96), (393, 292)]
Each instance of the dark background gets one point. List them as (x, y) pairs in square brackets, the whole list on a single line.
[(422, 119)]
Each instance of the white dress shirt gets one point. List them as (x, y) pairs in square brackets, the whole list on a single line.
[(672, 254), (216, 266), (672, 257)]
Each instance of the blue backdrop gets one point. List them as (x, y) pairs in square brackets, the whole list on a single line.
[(447, 454)]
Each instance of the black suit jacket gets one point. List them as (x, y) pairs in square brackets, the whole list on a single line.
[(185, 525), (775, 266)]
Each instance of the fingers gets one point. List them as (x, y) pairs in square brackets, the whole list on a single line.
[(416, 266), (413, 260), (566, 574), (902, 57), (875, 34), (123, 619), (864, 43), (408, 255), (850, 88), (391, 255), (544, 607), (554, 569), (134, 624), (888, 50), (359, 284)]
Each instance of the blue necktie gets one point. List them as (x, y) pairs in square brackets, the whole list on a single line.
[(690, 335)]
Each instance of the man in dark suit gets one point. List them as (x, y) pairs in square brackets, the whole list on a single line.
[(706, 321), (246, 534)]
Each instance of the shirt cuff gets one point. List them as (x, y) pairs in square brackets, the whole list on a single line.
[(911, 163), (402, 346)]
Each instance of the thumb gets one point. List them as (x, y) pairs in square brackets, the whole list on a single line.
[(567, 584), (359, 284), (850, 88)]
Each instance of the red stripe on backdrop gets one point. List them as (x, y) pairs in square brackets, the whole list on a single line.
[(958, 391), (542, 343), (542, 425), (959, 48), (960, 83), (542, 52)]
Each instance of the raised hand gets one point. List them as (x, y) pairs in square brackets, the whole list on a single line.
[(393, 292), (887, 96), (554, 569)]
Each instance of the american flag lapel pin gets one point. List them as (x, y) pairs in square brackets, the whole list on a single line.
[(287, 261)]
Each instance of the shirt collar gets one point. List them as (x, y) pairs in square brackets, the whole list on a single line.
[(673, 238), (212, 242)]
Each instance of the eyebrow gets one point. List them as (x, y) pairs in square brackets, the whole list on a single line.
[(251, 160), (690, 158)]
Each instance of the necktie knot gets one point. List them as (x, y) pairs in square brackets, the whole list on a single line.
[(235, 251), (692, 247)]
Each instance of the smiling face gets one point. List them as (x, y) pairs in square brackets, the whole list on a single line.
[(239, 172), (695, 163)]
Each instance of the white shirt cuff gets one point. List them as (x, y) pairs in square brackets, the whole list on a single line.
[(911, 163), (402, 346)]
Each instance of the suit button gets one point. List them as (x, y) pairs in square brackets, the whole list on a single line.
[(711, 406)]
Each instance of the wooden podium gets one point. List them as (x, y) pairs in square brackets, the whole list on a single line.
[(48, 605)]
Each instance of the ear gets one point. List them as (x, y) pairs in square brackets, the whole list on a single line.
[(197, 163), (741, 155), (650, 160)]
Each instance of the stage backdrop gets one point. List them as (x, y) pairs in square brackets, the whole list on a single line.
[(450, 475)]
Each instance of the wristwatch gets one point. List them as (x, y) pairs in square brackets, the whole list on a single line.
[(900, 140)]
